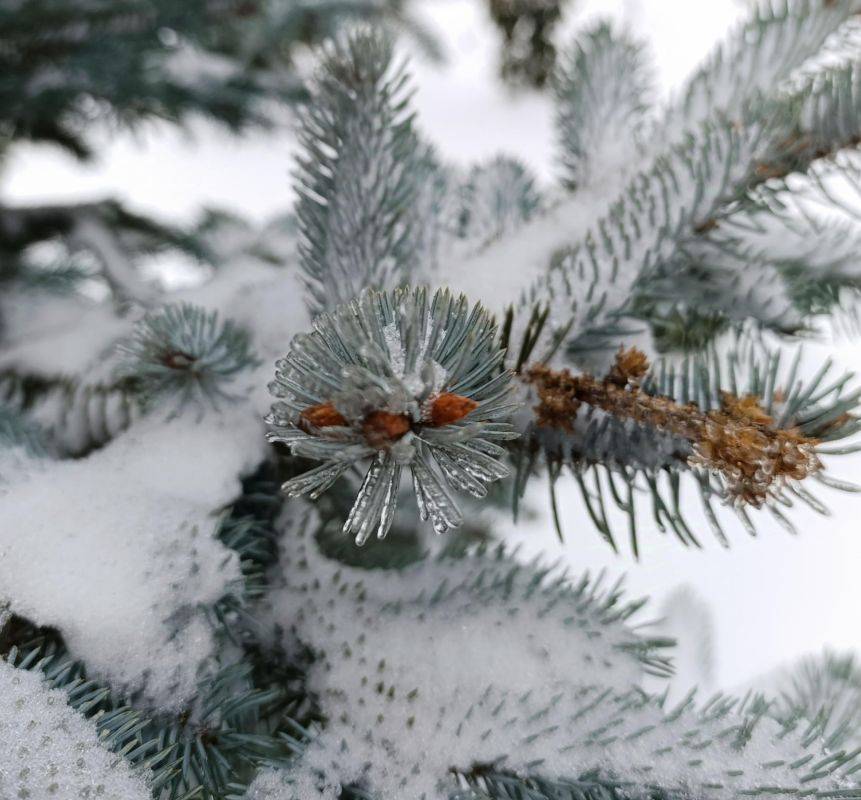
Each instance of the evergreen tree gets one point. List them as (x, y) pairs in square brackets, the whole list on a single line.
[(190, 612)]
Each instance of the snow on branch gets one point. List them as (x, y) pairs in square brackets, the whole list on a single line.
[(782, 267), (694, 173), (685, 195), (415, 707), (758, 57), (590, 284), (184, 353), (496, 198), (129, 532), (401, 658), (824, 689), (118, 268), (114, 236), (48, 749)]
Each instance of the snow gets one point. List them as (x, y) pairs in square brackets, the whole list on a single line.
[(500, 273), (755, 59), (825, 246), (423, 673), (48, 751), (76, 339), (118, 267), (274, 308), (51, 336), (687, 618), (117, 551), (403, 655), (268, 301)]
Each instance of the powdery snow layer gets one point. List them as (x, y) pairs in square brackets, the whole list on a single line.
[(117, 550), (48, 751), (424, 673), (590, 736), (402, 657), (498, 274)]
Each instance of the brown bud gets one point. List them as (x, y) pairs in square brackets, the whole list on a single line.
[(324, 415), (447, 408), (630, 366), (381, 428)]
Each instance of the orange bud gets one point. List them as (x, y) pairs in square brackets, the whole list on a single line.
[(447, 408), (381, 428), (324, 415)]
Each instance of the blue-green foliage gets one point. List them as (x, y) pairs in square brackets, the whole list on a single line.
[(824, 689), (66, 64), (738, 128), (17, 431), (620, 466), (356, 178)]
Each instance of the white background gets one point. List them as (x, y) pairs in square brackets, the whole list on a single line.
[(773, 597)]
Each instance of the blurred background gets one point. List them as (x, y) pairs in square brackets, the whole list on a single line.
[(739, 613)]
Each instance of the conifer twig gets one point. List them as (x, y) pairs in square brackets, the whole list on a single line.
[(739, 440)]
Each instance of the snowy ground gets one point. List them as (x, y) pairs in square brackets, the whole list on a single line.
[(771, 598)]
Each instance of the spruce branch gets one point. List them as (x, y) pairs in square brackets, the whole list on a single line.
[(130, 61), (667, 207), (184, 353), (75, 416), (250, 709), (739, 440), (739, 427), (785, 268), (240, 718), (115, 236), (528, 52), (580, 731), (497, 198), (824, 690), (17, 431), (752, 259), (679, 742), (601, 88), (404, 380), (758, 58), (589, 286), (356, 179)]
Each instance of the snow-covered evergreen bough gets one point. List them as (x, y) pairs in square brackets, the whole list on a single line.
[(192, 611)]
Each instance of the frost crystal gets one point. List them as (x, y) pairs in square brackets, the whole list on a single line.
[(405, 381)]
